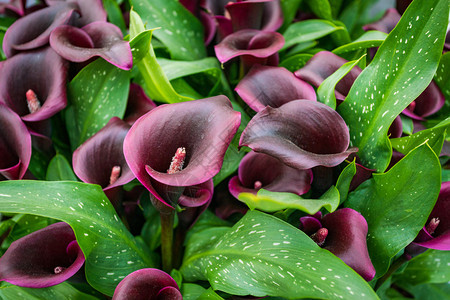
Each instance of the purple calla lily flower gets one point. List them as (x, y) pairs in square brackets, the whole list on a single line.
[(138, 104), (179, 145), (15, 6), (90, 10), (15, 145), (33, 84), (430, 101), (259, 170), (301, 133), (257, 87), (100, 159), (252, 46), (147, 284), (195, 200), (344, 234), (322, 65), (33, 31), (386, 23), (43, 258), (436, 232), (95, 39)]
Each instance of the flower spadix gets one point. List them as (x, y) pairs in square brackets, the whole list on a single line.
[(203, 129)]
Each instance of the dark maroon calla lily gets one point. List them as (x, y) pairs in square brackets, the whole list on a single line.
[(15, 145), (15, 6), (43, 258), (90, 10), (138, 104), (33, 30), (194, 201), (430, 101), (436, 232), (322, 65), (386, 23), (259, 170), (344, 234), (252, 46), (152, 284), (95, 39), (100, 159), (301, 133), (202, 129), (33, 84), (272, 86)]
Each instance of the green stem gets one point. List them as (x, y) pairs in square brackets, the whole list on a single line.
[(394, 267), (167, 220)]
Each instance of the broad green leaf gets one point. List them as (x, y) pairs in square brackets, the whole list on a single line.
[(98, 93), (296, 62), (429, 267), (301, 48), (274, 201), (60, 169), (429, 291), (263, 255), (38, 163), (325, 92), (309, 30), (289, 8), (140, 45), (181, 32), (367, 40), (191, 291), (442, 79), (396, 204), (209, 294), (402, 68), (320, 8), (157, 84), (101, 235), (24, 225), (115, 15), (433, 136), (344, 180), (62, 291)]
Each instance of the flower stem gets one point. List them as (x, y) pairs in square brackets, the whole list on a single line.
[(394, 267), (167, 219)]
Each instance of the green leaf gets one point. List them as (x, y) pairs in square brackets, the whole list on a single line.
[(296, 62), (274, 201), (101, 235), (38, 163), (429, 267), (115, 15), (289, 8), (402, 68), (181, 32), (429, 291), (367, 40), (396, 204), (442, 79), (321, 8), (191, 291), (262, 255), (231, 161), (433, 136), (309, 30), (156, 83), (60, 169), (140, 45), (209, 294), (325, 92), (407, 124), (98, 93), (24, 225), (62, 291), (344, 180)]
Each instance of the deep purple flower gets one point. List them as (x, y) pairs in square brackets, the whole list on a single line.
[(252, 46), (33, 30), (90, 10), (100, 159), (33, 84), (259, 170), (386, 23), (322, 65), (436, 232), (430, 101), (194, 200), (344, 234), (95, 39), (272, 86), (43, 258), (15, 6), (301, 133), (15, 145), (138, 104), (152, 284), (179, 145)]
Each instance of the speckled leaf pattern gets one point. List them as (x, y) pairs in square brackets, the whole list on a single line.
[(98, 93), (63, 291), (344, 180), (262, 255), (433, 136), (396, 204), (402, 68), (325, 92), (110, 250), (429, 267), (365, 41), (180, 31), (274, 201)]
